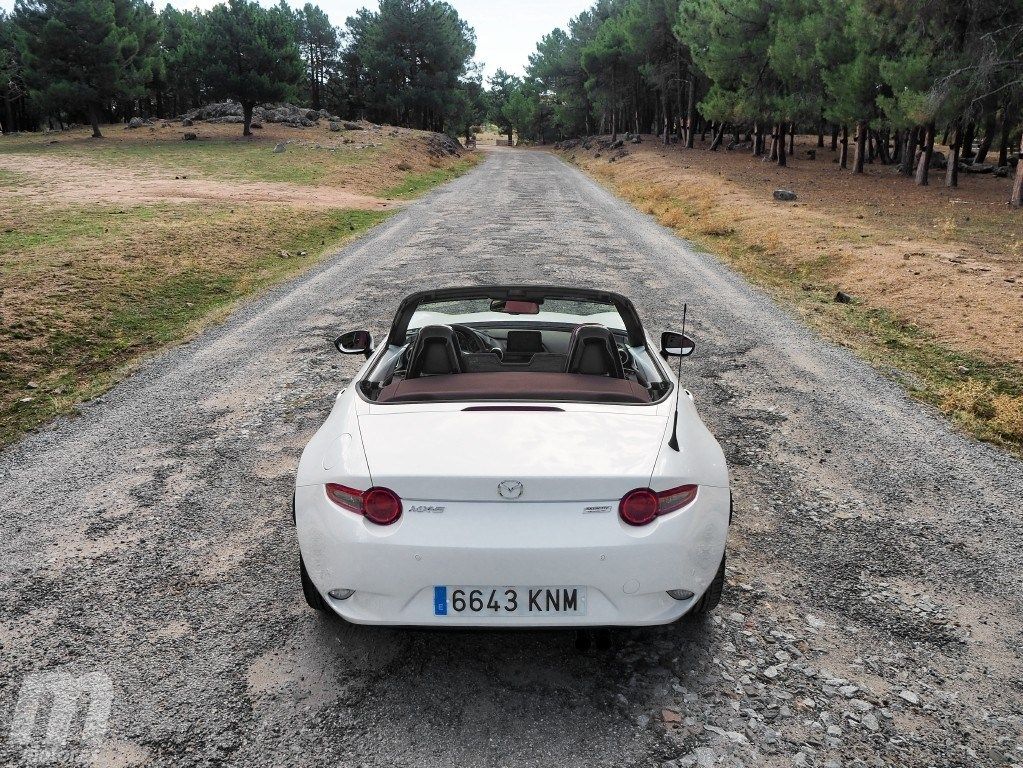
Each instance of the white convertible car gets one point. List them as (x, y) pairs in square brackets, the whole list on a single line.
[(512, 456)]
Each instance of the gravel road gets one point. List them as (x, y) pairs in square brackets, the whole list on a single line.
[(873, 609)]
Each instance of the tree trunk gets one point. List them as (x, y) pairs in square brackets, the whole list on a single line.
[(8, 126), (757, 150), (861, 146), (881, 140), (843, 155), (897, 147), (924, 166), (94, 121), (1016, 198), (966, 145), (909, 151), (834, 137), (792, 139), (989, 137), (690, 108), (781, 146), (773, 157), (1003, 147), (665, 108), (952, 169), (820, 133), (718, 137), (510, 131), (247, 108)]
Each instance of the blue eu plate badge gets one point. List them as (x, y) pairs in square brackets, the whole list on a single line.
[(440, 601)]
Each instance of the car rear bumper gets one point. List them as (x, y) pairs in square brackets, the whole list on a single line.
[(626, 570)]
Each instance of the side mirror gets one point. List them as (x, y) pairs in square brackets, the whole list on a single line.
[(676, 344), (355, 343)]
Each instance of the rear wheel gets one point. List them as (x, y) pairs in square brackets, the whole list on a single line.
[(312, 595), (712, 597)]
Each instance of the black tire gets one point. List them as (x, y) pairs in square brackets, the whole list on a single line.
[(712, 597), (312, 595)]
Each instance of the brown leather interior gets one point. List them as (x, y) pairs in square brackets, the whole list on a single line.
[(571, 387)]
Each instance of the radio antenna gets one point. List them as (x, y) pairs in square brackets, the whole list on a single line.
[(673, 443)]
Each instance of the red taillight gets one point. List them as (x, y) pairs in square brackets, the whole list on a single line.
[(675, 498), (379, 505), (642, 505), (346, 497), (638, 507)]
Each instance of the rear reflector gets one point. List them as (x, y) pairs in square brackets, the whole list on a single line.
[(642, 505), (379, 505)]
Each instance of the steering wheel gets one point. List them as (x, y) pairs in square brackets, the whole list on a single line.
[(473, 341)]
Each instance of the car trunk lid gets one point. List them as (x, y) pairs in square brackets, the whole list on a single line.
[(554, 455)]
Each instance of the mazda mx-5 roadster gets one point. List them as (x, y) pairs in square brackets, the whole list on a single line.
[(513, 456)]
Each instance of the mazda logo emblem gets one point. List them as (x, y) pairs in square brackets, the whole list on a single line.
[(510, 489)]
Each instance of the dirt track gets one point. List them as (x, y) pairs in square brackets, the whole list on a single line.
[(875, 591)]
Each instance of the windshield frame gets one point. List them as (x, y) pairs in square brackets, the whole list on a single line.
[(409, 305)]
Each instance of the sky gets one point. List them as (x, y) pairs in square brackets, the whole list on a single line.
[(506, 30)]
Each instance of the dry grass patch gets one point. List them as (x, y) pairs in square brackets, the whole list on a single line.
[(112, 249), (936, 274)]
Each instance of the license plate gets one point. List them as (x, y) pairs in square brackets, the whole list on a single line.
[(509, 601)]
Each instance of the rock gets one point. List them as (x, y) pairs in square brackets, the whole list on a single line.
[(280, 148), (255, 126), (859, 705), (1001, 171), (335, 127), (670, 716), (938, 160), (980, 168), (811, 154), (786, 195), (843, 298), (189, 137), (186, 122), (636, 140), (616, 144), (136, 122), (870, 722), (771, 672), (403, 167), (705, 756), (350, 126), (909, 696)]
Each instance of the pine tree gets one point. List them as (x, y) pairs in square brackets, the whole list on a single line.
[(502, 87), (251, 54), (81, 54), (319, 42)]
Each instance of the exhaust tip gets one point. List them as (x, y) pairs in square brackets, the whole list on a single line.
[(340, 594), (680, 594)]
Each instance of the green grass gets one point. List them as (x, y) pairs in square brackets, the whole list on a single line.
[(224, 159), (88, 318), (415, 184)]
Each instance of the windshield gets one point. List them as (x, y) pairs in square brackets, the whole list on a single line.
[(477, 310)]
